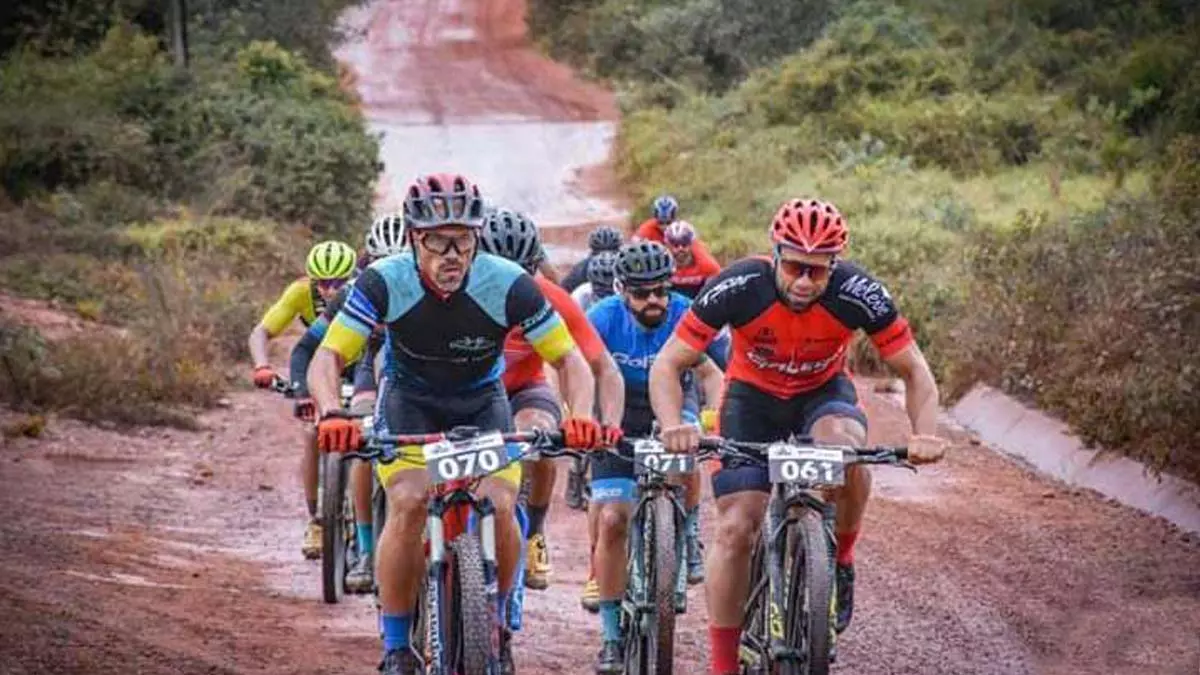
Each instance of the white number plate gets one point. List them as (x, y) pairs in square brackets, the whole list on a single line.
[(651, 457), (454, 460), (805, 467)]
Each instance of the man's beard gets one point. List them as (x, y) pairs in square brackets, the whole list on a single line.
[(651, 321)]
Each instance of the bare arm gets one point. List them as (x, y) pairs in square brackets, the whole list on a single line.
[(666, 393), (612, 390), (325, 381), (579, 387), (258, 346), (920, 389), (713, 381)]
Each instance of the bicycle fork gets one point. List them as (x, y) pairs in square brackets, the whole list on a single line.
[(777, 590)]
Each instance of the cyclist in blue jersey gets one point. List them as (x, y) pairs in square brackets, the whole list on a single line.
[(446, 308), (634, 324)]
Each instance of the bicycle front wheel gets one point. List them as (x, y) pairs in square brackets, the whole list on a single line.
[(337, 521), (809, 615), (473, 620)]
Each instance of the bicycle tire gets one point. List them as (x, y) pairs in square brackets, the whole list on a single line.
[(755, 621), (336, 527), (473, 620), (662, 586), (808, 616)]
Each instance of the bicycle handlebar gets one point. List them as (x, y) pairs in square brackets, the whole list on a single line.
[(756, 451)]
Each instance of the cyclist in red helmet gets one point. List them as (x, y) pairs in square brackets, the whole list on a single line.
[(793, 315), (694, 265)]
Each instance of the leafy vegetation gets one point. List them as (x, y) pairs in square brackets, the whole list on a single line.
[(171, 205), (997, 160)]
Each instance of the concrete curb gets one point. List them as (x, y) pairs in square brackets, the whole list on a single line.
[(1049, 446)]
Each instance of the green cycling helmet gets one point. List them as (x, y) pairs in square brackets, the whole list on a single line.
[(331, 260)]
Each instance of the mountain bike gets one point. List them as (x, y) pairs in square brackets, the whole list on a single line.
[(456, 631), (788, 625), (339, 546), (578, 492), (657, 577)]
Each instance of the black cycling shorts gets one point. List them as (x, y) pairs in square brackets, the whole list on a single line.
[(749, 414), (537, 395)]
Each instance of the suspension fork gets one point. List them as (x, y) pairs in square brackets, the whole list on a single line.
[(436, 583), (775, 556)]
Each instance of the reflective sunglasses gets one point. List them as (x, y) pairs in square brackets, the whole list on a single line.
[(797, 269), (440, 244), (644, 292)]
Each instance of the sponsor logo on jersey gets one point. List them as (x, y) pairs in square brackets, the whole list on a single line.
[(642, 362), (726, 286), (472, 343), (762, 359), (868, 294)]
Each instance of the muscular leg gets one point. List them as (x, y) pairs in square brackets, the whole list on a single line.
[(309, 471), (851, 498), (401, 559), (739, 517)]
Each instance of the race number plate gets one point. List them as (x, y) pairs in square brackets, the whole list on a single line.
[(454, 460), (805, 467), (650, 456)]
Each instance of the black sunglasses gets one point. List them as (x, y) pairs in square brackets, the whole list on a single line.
[(644, 292)]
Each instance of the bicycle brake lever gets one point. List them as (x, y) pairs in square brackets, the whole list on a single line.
[(907, 465)]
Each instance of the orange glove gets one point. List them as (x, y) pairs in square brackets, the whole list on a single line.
[(338, 434), (305, 409), (610, 436), (263, 377), (583, 433)]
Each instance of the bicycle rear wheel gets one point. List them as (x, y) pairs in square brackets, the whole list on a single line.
[(337, 527), (809, 614), (473, 621)]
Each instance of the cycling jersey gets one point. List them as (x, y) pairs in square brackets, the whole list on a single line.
[(652, 230), (447, 343), (784, 352), (306, 348), (299, 299), (523, 365), (634, 346), (584, 296), (577, 275), (688, 281)]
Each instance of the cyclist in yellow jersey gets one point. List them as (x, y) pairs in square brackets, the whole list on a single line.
[(329, 266)]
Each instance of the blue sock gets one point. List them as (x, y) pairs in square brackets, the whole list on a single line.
[(610, 620), (395, 631), (537, 518), (366, 543)]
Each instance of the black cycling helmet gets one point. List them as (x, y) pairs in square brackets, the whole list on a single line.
[(644, 262), (601, 271), (604, 239), (510, 234)]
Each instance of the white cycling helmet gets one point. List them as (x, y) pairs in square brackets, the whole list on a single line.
[(386, 236)]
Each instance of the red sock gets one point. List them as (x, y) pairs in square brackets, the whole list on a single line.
[(845, 547), (723, 643)]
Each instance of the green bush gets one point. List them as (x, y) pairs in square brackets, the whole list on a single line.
[(1097, 318), (263, 136)]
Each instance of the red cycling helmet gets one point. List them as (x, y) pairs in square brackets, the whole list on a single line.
[(810, 226), (440, 199)]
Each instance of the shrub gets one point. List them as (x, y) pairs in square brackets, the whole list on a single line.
[(1097, 318)]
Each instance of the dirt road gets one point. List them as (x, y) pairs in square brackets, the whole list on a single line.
[(176, 552)]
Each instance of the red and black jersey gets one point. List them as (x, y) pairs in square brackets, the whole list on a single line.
[(784, 352)]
